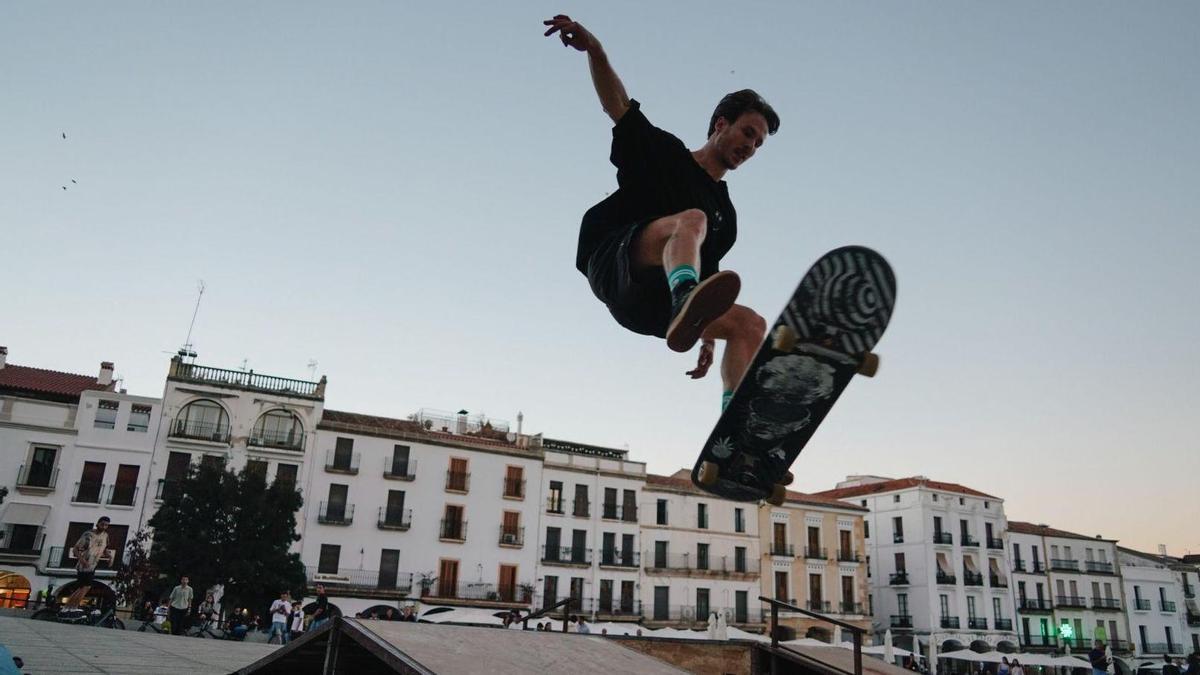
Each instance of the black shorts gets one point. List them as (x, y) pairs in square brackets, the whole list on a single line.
[(85, 575), (641, 301)]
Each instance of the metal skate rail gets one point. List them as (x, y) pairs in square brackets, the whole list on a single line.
[(855, 631), (542, 613)]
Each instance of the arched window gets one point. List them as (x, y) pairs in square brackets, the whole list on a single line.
[(278, 429), (204, 420)]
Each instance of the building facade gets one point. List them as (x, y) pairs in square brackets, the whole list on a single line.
[(1157, 609), (814, 557)]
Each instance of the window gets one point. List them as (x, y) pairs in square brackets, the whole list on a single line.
[(202, 420), (863, 502), (702, 608), (508, 583), (554, 503), (549, 591), (781, 586), (627, 597), (90, 484), (106, 414), (970, 607), (579, 546), (996, 612), (902, 603), (41, 470), (400, 456), (739, 559), (456, 476), (453, 526), (286, 473), (662, 595), (739, 520), (814, 543), (328, 562), (961, 501), (393, 514), (553, 544), (139, 418), (898, 529), (701, 556), (606, 596), (514, 482), (629, 506), (278, 429), (577, 591), (944, 602), (900, 567), (343, 454), (610, 503), (987, 505), (816, 597), (581, 503), (866, 529), (608, 550), (256, 467), (702, 516), (448, 578), (389, 567), (741, 611), (660, 554), (896, 499), (661, 513), (510, 528), (935, 497)]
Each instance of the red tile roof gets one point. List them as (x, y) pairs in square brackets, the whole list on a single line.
[(901, 484), (40, 382), (681, 480), (1021, 527)]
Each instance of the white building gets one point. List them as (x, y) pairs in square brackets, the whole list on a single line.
[(1188, 570), (701, 555), (937, 562), (1157, 611), (75, 449), (587, 532), (1081, 582), (437, 507)]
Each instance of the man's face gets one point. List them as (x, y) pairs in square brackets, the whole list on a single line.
[(102, 525), (737, 142), (183, 581), (320, 589)]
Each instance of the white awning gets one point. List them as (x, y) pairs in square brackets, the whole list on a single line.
[(17, 513)]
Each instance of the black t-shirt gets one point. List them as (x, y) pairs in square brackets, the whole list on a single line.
[(657, 176)]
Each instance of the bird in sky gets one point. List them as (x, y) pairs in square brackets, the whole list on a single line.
[(64, 135)]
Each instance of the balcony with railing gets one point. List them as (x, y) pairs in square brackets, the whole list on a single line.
[(995, 543), (478, 591), (1078, 642), (816, 553), (1166, 606), (851, 608), (997, 581), (335, 513), (693, 615), (62, 559), (897, 537), (693, 565), (452, 530), (193, 430), (1064, 565), (977, 623), (353, 581), (1070, 601), (566, 555), (625, 512), (1002, 624), (122, 494), (87, 492), (1189, 591), (1193, 618), (1040, 641), (972, 578), (612, 607), (394, 519), (968, 540), (1034, 605), (1098, 567), (244, 379), (1156, 648), (821, 606), (581, 508), (168, 487), (782, 550), (36, 479), (946, 579), (943, 538), (1037, 567), (901, 621), (555, 504), (1106, 603), (512, 537), (278, 439), (1141, 605), (20, 544), (343, 462), (950, 622), (394, 470), (846, 555), (1018, 565), (458, 481), (514, 488), (616, 557), (898, 579)]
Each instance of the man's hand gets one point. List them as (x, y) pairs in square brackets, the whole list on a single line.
[(705, 360), (572, 33)]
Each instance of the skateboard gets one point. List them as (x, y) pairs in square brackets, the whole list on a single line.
[(821, 340)]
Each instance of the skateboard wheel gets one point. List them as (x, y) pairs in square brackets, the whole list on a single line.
[(783, 339), (869, 365), (709, 472), (778, 495), (787, 478)]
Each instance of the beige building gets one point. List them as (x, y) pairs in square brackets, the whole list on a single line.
[(814, 558)]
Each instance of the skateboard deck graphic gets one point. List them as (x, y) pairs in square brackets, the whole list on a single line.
[(821, 340)]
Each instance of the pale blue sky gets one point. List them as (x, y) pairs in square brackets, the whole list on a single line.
[(394, 189)]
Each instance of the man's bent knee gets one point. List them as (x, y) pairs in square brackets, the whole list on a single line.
[(691, 222)]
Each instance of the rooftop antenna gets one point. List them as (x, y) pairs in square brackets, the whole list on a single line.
[(186, 350), (312, 369)]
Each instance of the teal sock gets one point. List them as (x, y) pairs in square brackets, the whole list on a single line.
[(681, 274), (725, 398)]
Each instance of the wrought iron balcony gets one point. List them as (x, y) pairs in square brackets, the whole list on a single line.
[(626, 512), (612, 606), (1098, 567), (848, 556), (63, 558), (1070, 601), (997, 581), (690, 564), (1064, 565), (87, 492), (977, 623), (335, 513), (947, 579), (1156, 648), (355, 580), (1037, 567), (290, 439), (1166, 606), (897, 537), (1049, 641), (950, 622), (852, 608), (783, 550), (615, 557), (452, 530), (1142, 605), (1188, 591), (901, 621), (344, 462), (815, 553), (213, 432), (512, 536), (972, 578), (122, 495), (23, 543), (514, 488), (1002, 624), (968, 540), (394, 470), (1034, 605), (554, 504), (458, 481), (1018, 565), (394, 519), (898, 579), (566, 555), (995, 543), (818, 606), (36, 478), (1193, 618), (1106, 603), (944, 538)]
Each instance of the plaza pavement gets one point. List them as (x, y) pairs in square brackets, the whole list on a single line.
[(50, 648)]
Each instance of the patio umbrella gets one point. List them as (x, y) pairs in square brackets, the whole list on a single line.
[(712, 627), (722, 627), (932, 656), (837, 635), (888, 654)]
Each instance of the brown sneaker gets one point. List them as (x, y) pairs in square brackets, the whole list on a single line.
[(692, 309)]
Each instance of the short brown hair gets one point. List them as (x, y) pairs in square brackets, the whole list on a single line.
[(734, 105)]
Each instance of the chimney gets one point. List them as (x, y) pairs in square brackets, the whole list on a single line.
[(106, 374), (3, 356)]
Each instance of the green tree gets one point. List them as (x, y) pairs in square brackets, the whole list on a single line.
[(137, 577), (218, 527)]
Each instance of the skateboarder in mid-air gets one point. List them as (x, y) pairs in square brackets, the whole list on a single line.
[(650, 250)]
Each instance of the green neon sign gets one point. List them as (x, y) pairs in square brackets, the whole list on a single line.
[(1066, 631)]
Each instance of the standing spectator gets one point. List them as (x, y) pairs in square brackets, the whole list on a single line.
[(1169, 668), (89, 550), (180, 605), (297, 619), (207, 611), (1193, 662), (582, 626), (279, 618), (1098, 659), (1004, 666), (321, 611), (1016, 668)]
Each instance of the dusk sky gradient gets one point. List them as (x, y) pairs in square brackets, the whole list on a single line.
[(394, 189)]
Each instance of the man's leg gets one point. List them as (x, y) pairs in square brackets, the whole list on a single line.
[(674, 243), (76, 597), (743, 330)]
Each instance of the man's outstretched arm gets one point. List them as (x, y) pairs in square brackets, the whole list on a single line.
[(608, 86)]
